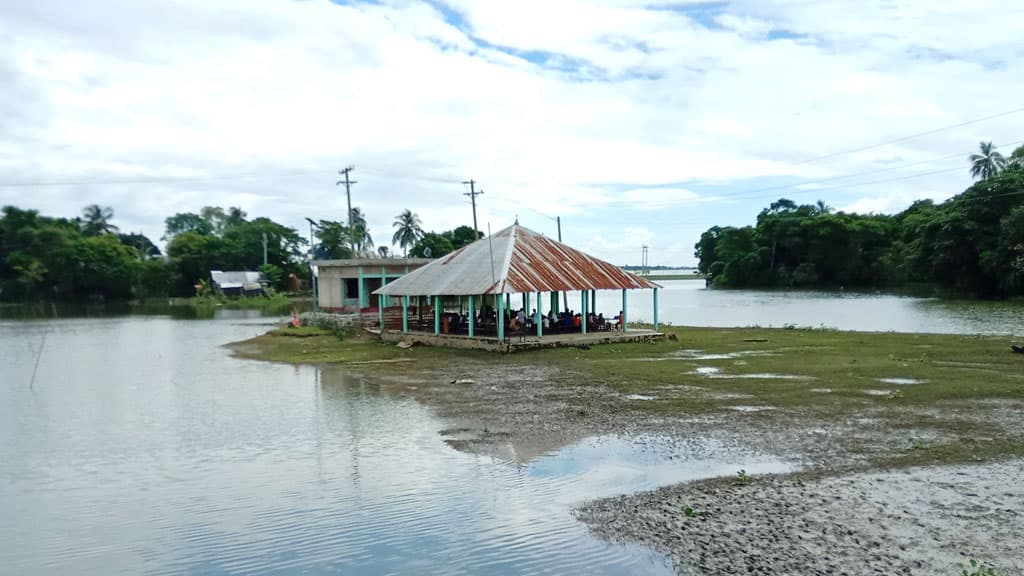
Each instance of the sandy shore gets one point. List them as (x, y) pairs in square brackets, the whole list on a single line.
[(918, 521)]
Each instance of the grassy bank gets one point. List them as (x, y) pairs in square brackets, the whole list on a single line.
[(942, 398)]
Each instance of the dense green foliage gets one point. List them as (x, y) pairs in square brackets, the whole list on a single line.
[(62, 259), (443, 243), (973, 243)]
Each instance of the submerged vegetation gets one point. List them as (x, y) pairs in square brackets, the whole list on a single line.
[(972, 243)]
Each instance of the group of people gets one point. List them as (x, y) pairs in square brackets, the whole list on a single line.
[(519, 320)]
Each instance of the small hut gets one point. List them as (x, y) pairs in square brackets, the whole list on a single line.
[(469, 292)]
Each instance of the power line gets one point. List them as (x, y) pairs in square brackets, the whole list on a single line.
[(746, 194), (910, 137)]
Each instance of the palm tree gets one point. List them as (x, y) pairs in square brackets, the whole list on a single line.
[(96, 220), (383, 251), (988, 163), (361, 239), (1016, 160), (408, 231)]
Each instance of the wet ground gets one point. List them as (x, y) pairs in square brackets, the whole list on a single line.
[(826, 518)]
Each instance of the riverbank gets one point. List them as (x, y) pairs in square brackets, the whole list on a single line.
[(838, 405)]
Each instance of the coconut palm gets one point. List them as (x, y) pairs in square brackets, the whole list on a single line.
[(96, 220), (361, 239), (988, 163), (383, 251), (1016, 160), (408, 231)]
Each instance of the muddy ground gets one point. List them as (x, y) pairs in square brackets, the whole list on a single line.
[(839, 514)]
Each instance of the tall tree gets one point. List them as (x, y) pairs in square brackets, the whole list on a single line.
[(408, 231), (988, 163), (96, 220), (1016, 160), (361, 239), (334, 240)]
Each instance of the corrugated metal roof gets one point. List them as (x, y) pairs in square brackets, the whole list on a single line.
[(513, 260), (236, 279)]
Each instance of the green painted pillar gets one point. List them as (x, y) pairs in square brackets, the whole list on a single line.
[(380, 311), (526, 302), (363, 300), (584, 296), (554, 302), (508, 302), (655, 309), (405, 314), (624, 316), (501, 317), (537, 317), (437, 314), (472, 317)]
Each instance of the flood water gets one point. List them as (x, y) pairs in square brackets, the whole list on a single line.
[(689, 303), (138, 445)]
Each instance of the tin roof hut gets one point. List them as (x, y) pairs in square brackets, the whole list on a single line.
[(514, 260)]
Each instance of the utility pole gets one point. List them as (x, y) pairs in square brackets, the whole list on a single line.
[(558, 220), (473, 193), (643, 262), (264, 248), (348, 196), (312, 256)]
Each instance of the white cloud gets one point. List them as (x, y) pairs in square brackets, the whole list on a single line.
[(663, 100)]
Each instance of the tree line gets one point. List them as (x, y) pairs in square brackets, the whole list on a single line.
[(972, 243), (88, 257)]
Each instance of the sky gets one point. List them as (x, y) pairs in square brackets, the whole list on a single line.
[(636, 122)]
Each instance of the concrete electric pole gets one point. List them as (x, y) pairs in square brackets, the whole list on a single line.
[(473, 193), (348, 196)]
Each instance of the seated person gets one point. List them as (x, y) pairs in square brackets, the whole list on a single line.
[(601, 321), (576, 321), (546, 322)]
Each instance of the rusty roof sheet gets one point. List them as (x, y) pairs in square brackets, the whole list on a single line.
[(513, 260)]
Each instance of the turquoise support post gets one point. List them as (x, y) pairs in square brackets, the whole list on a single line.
[(508, 302), (554, 302), (655, 309), (537, 317), (624, 311), (526, 302), (380, 311), (501, 318), (364, 301), (437, 314), (405, 314), (584, 296), (593, 301), (472, 317)]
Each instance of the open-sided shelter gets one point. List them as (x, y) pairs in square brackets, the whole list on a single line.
[(515, 260)]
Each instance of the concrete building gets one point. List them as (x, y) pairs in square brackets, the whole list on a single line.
[(347, 285)]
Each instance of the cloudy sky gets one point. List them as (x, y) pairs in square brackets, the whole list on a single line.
[(635, 121)]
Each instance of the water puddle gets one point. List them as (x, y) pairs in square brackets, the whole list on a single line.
[(871, 392), (692, 354), (751, 408), (901, 381), (706, 370), (604, 466), (760, 376), (640, 397), (821, 390)]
